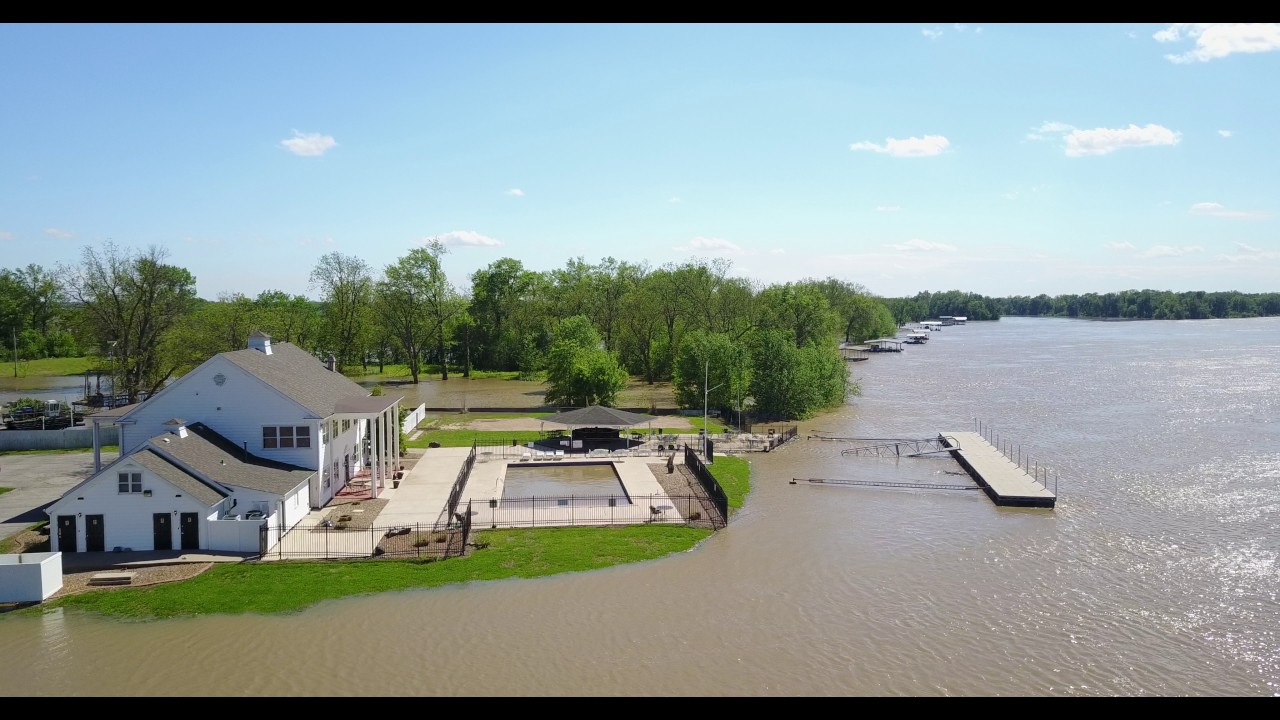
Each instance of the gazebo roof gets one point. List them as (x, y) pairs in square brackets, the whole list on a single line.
[(598, 416)]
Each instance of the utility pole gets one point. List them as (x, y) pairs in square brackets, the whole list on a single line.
[(15, 352)]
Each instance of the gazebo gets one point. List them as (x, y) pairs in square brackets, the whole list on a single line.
[(598, 426)]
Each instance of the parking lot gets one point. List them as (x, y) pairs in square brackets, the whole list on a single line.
[(37, 480)]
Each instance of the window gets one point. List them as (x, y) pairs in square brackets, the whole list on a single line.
[(324, 433), (285, 436), (130, 482)]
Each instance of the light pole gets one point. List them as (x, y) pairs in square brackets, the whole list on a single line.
[(706, 392), (112, 354)]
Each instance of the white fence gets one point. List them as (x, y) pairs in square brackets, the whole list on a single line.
[(76, 437), (30, 577), (412, 419)]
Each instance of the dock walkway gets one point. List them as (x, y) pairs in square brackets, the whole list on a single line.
[(1004, 482)]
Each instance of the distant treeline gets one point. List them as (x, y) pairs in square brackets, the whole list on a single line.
[(1127, 304)]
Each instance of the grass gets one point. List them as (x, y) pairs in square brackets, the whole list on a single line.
[(734, 475), (53, 367), (4, 490), (714, 426), (426, 372), (9, 545), (436, 422), (278, 587), (60, 451), (464, 438)]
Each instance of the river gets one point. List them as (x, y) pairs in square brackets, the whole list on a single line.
[(1155, 575)]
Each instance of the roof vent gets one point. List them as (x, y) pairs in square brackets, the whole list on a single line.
[(179, 427), (261, 342)]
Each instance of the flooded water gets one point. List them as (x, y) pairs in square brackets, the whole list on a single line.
[(1156, 574), (474, 393)]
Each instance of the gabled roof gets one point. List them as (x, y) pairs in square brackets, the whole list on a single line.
[(598, 416), (178, 477), (223, 462), (299, 376)]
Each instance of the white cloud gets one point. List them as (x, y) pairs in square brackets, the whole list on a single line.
[(922, 246), (1102, 141), (59, 233), (1049, 127), (926, 146), (711, 245), (1217, 210), (777, 251), (675, 200), (932, 33), (1218, 40), (1251, 254), (6, 235), (1124, 246), (309, 144), (1169, 251), (888, 208), (1131, 34), (1224, 133), (1011, 195), (515, 192), (466, 237)]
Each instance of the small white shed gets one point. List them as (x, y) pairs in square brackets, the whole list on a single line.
[(30, 577)]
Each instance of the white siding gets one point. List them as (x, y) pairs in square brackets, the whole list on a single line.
[(237, 409), (127, 517), (295, 505), (336, 449)]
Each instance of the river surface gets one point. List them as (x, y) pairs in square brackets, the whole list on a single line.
[(1156, 574)]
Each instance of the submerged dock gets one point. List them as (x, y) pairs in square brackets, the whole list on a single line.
[(1004, 481)]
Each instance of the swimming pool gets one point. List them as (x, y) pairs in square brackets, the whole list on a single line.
[(565, 480)]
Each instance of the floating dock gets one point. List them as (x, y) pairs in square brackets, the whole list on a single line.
[(1004, 482)]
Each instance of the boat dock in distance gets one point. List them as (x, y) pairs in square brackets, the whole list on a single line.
[(1004, 481)]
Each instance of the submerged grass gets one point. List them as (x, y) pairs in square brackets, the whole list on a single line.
[(276, 587), (55, 367)]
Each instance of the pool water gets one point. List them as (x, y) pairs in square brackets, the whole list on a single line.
[(562, 481)]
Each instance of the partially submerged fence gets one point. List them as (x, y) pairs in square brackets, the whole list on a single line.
[(595, 510)]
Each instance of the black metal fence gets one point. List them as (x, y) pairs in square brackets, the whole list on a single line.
[(597, 510), (780, 438), (455, 493), (421, 541), (707, 481)]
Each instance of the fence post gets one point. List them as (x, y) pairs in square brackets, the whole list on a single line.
[(417, 538)]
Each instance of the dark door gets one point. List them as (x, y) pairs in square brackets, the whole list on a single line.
[(67, 533), (94, 534), (163, 532), (190, 531), (346, 468)]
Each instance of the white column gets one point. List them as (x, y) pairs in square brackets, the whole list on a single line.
[(395, 438), (382, 445), (375, 477)]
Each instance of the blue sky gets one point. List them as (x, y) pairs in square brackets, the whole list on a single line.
[(1001, 159)]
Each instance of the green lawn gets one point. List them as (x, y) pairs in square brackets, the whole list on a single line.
[(426, 372), (714, 426), (4, 490), (734, 475), (459, 418), (52, 367), (464, 438), (60, 451), (276, 587)]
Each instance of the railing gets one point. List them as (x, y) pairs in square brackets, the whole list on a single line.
[(455, 493), (595, 510), (353, 543), (707, 481), (1013, 451)]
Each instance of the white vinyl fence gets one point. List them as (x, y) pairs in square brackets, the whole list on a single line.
[(412, 419)]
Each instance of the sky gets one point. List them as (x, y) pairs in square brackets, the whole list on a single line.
[(1001, 159)]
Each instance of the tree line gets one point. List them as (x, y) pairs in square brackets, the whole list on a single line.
[(584, 328)]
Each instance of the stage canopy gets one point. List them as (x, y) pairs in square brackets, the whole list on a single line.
[(598, 416)]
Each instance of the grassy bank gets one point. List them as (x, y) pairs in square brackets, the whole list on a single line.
[(734, 475), (399, 371), (53, 367), (4, 490), (276, 587), (464, 438), (60, 451), (11, 544)]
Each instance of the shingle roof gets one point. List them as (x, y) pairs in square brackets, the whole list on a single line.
[(178, 477), (220, 460), (366, 405), (296, 373)]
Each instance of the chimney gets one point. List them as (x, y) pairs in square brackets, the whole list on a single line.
[(261, 342), (179, 426), (331, 363)]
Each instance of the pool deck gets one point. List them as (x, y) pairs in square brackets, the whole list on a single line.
[(1004, 481)]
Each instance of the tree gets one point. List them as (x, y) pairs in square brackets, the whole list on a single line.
[(345, 286), (415, 301), (580, 371), (130, 304), (711, 360), (794, 383)]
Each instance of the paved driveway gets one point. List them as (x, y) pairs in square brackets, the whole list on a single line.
[(38, 480)]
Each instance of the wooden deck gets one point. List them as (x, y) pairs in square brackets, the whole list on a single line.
[(1004, 482)]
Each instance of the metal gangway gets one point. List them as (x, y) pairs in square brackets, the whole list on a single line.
[(903, 448), (880, 483)]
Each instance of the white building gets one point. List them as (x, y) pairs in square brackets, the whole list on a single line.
[(229, 456)]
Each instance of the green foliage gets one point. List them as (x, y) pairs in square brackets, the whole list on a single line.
[(793, 383), (1145, 305), (580, 371), (278, 587), (715, 361), (868, 318)]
